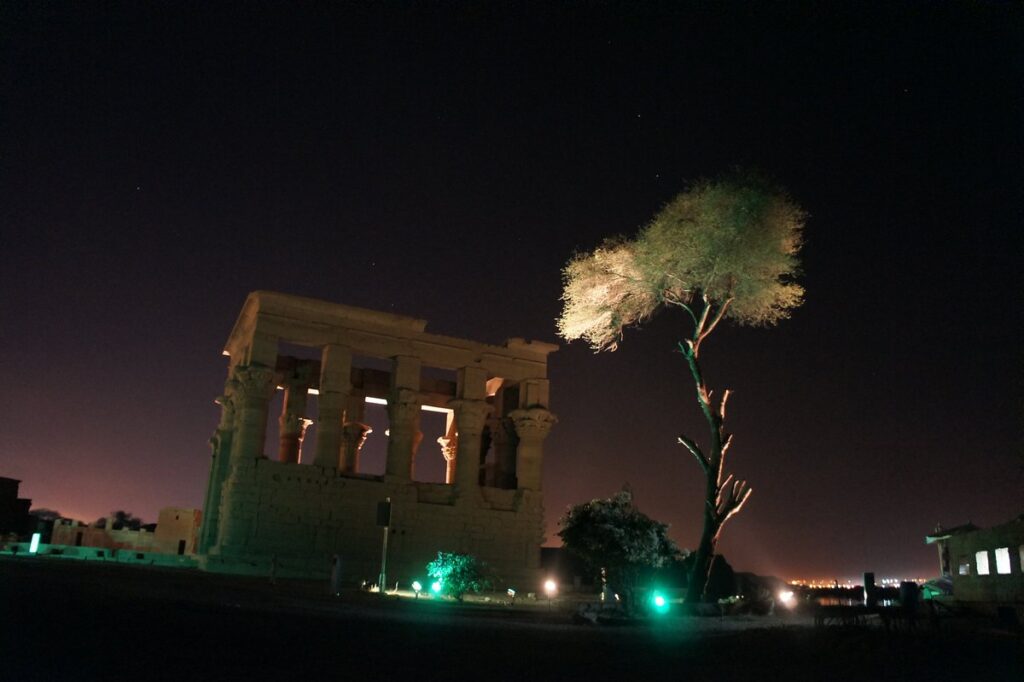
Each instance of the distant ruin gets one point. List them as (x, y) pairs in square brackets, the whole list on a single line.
[(296, 511)]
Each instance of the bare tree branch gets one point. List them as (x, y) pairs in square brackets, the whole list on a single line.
[(696, 451)]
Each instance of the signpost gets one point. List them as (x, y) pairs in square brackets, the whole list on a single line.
[(384, 519)]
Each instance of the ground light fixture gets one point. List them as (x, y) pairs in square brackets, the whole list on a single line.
[(550, 588), (659, 603)]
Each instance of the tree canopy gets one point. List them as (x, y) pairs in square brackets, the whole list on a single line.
[(613, 534), (721, 249)]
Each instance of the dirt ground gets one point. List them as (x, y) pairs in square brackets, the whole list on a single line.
[(91, 621)]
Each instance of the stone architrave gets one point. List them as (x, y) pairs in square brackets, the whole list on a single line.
[(532, 425), (254, 388), (404, 431), (293, 422), (470, 417), (353, 435)]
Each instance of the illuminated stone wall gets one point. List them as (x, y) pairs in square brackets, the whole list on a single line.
[(295, 505), (1004, 580)]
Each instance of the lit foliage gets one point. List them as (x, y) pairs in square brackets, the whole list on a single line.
[(613, 534), (729, 246), (723, 249), (459, 573)]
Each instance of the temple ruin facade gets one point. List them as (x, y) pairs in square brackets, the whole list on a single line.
[(294, 505)]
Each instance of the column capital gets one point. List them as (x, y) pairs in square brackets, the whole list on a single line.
[(403, 406), (254, 384), (532, 424), (449, 447), (470, 415)]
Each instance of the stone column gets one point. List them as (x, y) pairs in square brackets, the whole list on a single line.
[(532, 426), (503, 435), (255, 386), (293, 422), (353, 435), (404, 431), (449, 448), (470, 417), (220, 443), (335, 386)]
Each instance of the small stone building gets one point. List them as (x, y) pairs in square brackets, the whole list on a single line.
[(293, 506), (986, 565)]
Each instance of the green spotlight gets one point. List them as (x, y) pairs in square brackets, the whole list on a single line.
[(436, 587), (659, 603)]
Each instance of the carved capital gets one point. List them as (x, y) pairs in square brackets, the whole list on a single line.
[(470, 415), (355, 434), (532, 424), (449, 447), (403, 409), (255, 385), (294, 424)]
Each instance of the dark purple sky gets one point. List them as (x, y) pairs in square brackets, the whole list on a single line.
[(156, 165)]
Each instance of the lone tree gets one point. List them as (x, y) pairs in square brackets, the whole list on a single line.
[(723, 249), (615, 536)]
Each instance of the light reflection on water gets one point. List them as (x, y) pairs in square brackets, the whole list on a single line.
[(848, 601)]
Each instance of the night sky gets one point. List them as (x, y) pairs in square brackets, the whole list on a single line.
[(443, 161)]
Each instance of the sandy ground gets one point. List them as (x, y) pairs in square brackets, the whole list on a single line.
[(73, 620)]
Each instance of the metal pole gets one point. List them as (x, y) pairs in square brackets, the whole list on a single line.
[(382, 580)]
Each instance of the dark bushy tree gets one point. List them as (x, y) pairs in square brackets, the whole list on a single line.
[(459, 573), (614, 535), (723, 249)]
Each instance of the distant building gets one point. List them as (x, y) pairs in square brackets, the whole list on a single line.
[(176, 532), (14, 518), (985, 565)]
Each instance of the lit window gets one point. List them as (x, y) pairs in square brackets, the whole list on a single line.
[(1021, 548), (965, 566), (982, 560), (1003, 560)]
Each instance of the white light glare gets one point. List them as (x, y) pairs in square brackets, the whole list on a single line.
[(786, 597), (550, 587)]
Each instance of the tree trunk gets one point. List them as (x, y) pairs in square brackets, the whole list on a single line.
[(700, 574), (722, 499)]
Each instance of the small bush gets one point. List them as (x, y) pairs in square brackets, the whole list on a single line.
[(459, 573)]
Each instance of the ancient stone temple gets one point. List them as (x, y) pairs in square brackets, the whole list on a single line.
[(294, 505)]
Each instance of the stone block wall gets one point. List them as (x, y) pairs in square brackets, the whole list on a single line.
[(300, 516)]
